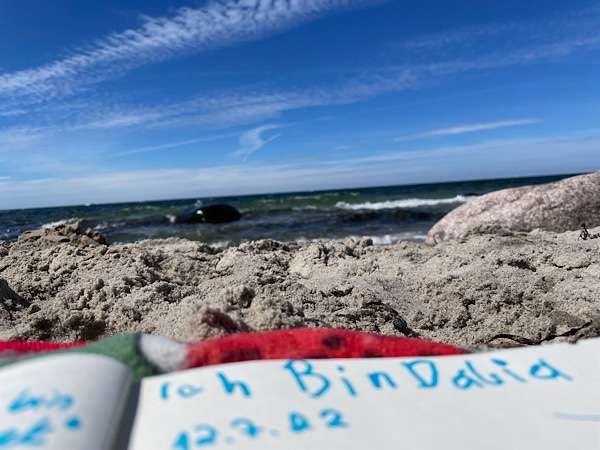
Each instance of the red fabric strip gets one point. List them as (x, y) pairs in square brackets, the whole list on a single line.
[(35, 347), (309, 343)]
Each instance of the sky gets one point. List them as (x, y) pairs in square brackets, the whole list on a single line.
[(133, 100)]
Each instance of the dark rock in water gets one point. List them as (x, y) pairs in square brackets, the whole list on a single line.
[(210, 214), (470, 194), (560, 206)]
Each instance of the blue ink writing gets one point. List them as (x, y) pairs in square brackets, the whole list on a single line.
[(183, 391), (33, 437), (493, 379), (204, 435), (333, 418), (182, 442), (27, 401), (303, 374), (38, 433), (164, 391), (377, 379), (73, 423), (232, 386), (247, 427), (503, 364), (544, 371), (298, 422), (346, 382), (464, 381), (207, 435), (188, 391), (424, 371)]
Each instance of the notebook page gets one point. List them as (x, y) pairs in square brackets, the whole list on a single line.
[(62, 402), (544, 397)]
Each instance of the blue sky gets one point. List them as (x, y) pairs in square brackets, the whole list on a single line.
[(125, 100)]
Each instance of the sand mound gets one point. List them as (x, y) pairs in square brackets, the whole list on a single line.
[(66, 284)]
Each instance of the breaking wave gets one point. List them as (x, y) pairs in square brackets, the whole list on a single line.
[(388, 239), (404, 203), (72, 220)]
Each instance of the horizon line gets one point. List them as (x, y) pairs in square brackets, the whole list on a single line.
[(167, 199)]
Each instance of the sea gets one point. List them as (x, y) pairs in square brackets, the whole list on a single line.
[(385, 214)]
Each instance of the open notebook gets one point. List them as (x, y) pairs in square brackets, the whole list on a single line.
[(536, 398)]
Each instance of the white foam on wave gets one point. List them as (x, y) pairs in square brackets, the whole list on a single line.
[(307, 197), (72, 220), (219, 244), (404, 203), (384, 239), (388, 239)]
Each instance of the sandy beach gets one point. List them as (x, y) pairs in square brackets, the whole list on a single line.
[(195, 169), (299, 224), (489, 290)]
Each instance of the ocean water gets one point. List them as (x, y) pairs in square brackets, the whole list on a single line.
[(386, 214)]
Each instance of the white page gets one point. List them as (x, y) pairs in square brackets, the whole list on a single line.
[(556, 406), (62, 402)]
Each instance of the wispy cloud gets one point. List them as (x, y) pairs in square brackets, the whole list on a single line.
[(252, 140), (470, 128), (185, 31), (205, 112), (122, 119), (238, 107), (12, 112), (561, 154), (189, 30), (567, 25), (500, 45), (455, 37), (172, 145), (15, 138)]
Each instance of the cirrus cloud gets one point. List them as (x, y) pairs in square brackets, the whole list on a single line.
[(159, 38)]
